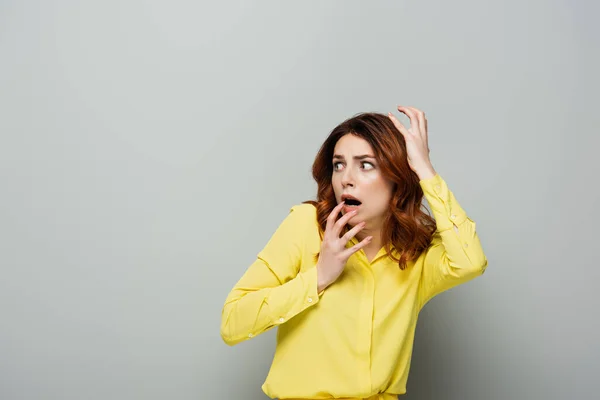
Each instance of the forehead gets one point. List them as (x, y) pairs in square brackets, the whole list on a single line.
[(352, 145)]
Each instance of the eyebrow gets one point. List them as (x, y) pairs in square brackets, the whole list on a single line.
[(361, 157)]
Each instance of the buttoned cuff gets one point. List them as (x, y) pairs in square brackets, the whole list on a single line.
[(305, 283), (446, 210), (310, 275)]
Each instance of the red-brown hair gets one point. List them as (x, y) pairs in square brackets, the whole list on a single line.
[(406, 228)]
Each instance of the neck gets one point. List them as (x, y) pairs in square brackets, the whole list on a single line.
[(376, 242)]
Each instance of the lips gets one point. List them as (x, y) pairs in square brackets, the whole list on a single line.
[(350, 200)]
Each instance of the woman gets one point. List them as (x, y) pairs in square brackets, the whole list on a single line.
[(344, 277)]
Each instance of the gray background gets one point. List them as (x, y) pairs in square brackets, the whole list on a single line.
[(149, 150)]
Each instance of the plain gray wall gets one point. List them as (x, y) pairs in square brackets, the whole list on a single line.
[(149, 150)]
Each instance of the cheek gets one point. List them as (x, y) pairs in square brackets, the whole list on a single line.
[(374, 182), (337, 187), (379, 190)]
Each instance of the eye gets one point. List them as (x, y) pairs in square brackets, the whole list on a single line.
[(371, 166), (335, 165)]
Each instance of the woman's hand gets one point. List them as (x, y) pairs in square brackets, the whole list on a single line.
[(334, 254), (417, 146)]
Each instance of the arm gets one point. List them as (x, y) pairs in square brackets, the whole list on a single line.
[(272, 290), (455, 255)]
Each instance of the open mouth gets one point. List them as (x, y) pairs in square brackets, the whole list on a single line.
[(352, 202)]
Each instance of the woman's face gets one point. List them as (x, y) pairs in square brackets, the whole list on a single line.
[(356, 173)]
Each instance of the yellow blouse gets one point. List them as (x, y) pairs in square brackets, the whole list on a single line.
[(353, 340)]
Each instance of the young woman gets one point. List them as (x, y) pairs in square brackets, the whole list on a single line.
[(344, 277)]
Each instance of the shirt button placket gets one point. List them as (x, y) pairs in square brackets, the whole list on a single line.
[(365, 323)]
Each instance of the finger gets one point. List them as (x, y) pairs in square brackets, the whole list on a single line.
[(339, 225), (421, 118), (332, 217), (348, 252), (398, 125), (427, 136), (414, 120), (352, 232), (423, 124)]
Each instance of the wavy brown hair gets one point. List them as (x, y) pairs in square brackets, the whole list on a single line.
[(407, 230)]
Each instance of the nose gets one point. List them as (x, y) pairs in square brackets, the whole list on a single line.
[(347, 177)]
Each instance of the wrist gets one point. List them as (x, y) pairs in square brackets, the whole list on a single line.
[(322, 281), (426, 172), (321, 287)]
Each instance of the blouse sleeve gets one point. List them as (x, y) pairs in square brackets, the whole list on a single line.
[(455, 255), (272, 290)]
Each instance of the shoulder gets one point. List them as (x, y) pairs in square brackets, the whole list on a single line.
[(303, 219), (304, 210), (435, 245), (306, 226), (302, 216), (436, 239), (294, 230), (291, 236)]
